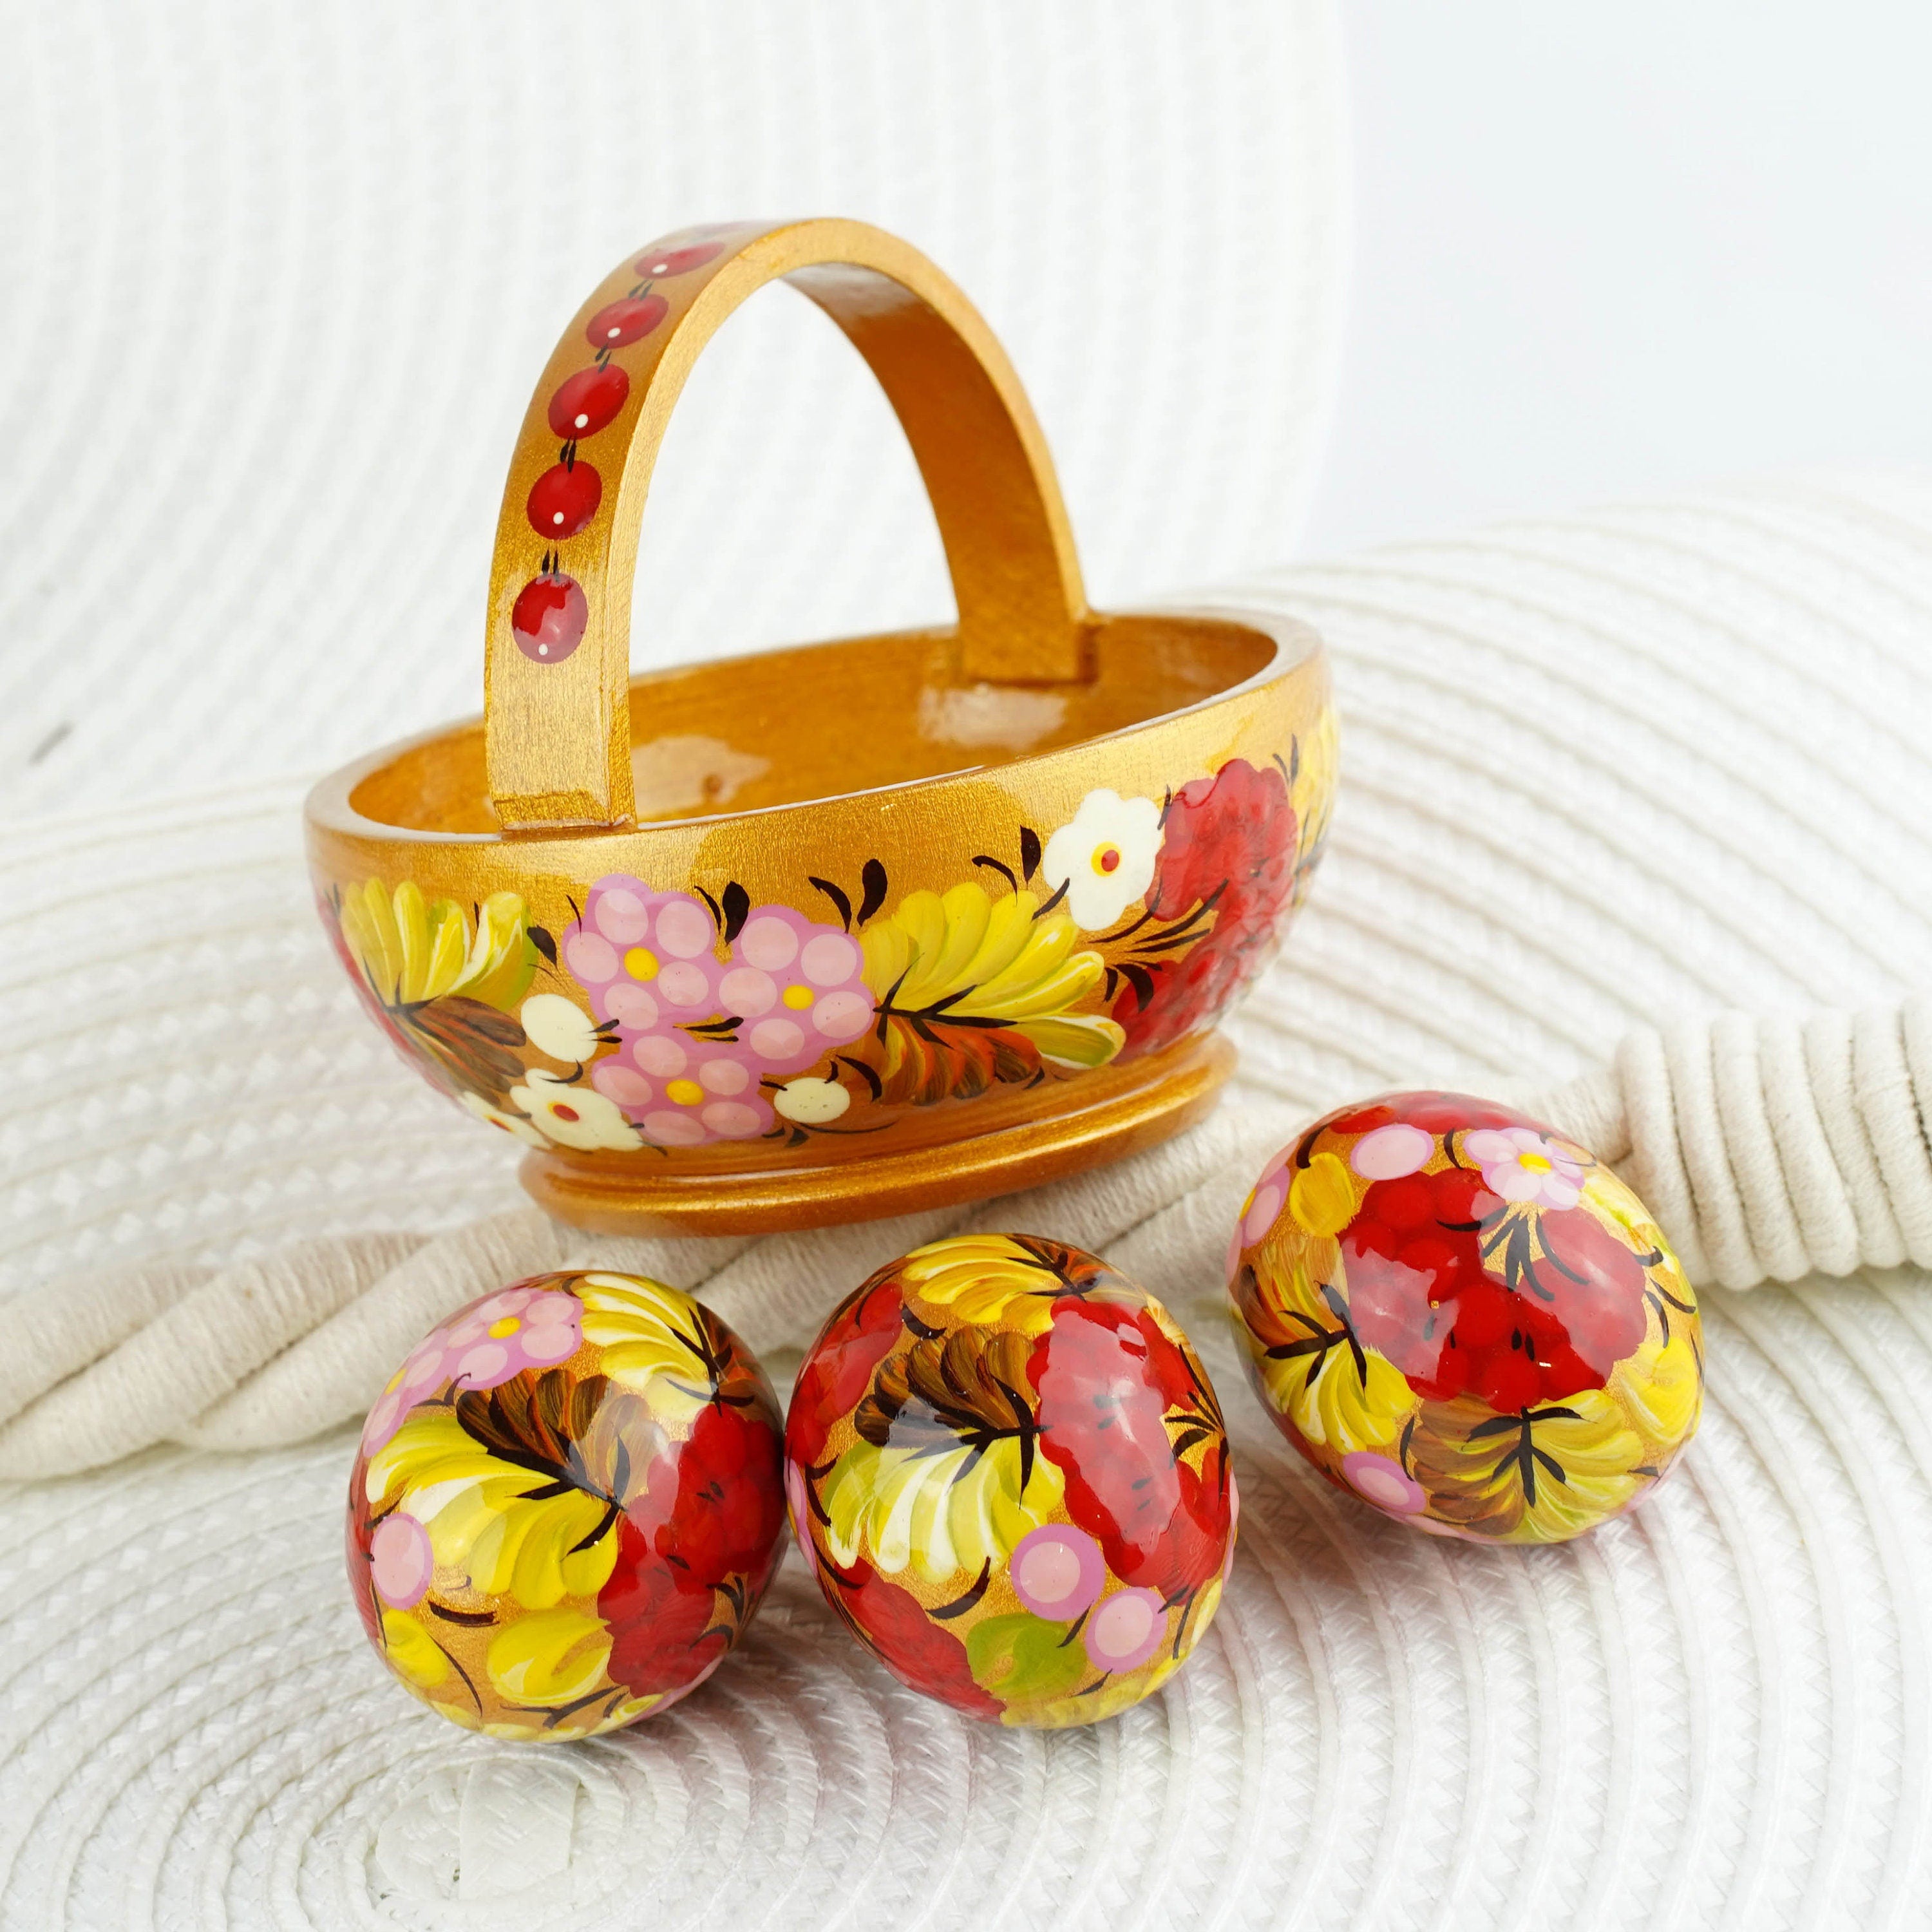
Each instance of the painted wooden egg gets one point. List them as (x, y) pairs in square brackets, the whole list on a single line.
[(566, 1505), (1008, 1473), (1466, 1319)]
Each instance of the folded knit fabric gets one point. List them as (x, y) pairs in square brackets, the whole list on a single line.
[(1767, 1150)]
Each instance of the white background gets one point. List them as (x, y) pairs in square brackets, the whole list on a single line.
[(1607, 251)]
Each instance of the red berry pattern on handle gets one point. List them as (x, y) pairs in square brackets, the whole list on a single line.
[(618, 324), (588, 401), (550, 614), (661, 261), (564, 499), (548, 617)]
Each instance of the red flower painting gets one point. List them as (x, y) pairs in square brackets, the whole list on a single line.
[(1227, 858)]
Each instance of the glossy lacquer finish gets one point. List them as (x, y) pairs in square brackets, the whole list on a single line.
[(845, 930), (1008, 1470), (1466, 1320), (565, 1506)]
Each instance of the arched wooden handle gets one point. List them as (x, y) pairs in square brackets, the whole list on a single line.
[(557, 714)]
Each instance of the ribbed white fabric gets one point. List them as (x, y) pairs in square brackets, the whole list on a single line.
[(1602, 774)]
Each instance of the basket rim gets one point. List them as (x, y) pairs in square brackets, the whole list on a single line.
[(328, 808)]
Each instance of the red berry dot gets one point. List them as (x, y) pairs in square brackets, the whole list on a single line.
[(1110, 860), (1485, 1312), (587, 401), (1438, 1258), (656, 262), (548, 617), (563, 499), (1460, 1197), (1455, 1368), (1567, 1374), (1406, 1204), (1372, 1237), (1507, 1380), (564, 1113), (619, 323)]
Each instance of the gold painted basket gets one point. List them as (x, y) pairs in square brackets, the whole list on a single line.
[(839, 931)]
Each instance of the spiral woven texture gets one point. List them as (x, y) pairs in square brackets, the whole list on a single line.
[(1629, 769), (283, 277)]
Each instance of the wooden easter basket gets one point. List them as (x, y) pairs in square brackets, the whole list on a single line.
[(841, 930)]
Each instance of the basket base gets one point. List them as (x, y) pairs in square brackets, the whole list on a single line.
[(1029, 1154)]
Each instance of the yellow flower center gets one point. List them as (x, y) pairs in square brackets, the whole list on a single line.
[(641, 963), (685, 1093), (507, 1324), (798, 996), (1106, 859), (1536, 1163)]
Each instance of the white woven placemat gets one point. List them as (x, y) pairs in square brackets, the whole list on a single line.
[(1651, 761)]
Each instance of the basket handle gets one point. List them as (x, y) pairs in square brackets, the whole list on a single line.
[(556, 676)]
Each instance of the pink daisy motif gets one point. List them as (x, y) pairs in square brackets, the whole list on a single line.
[(1126, 1630), (515, 1329), (1389, 1153), (421, 1373), (799, 1506), (1259, 1210), (1523, 1166), (401, 1560), (699, 1038), (479, 1347), (1057, 1570), (1384, 1482)]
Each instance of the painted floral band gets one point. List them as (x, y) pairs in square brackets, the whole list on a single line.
[(660, 1019)]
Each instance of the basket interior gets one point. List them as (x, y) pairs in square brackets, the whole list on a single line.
[(814, 720)]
